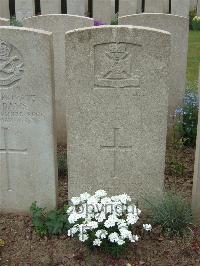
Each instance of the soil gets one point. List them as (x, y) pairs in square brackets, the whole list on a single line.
[(24, 247)]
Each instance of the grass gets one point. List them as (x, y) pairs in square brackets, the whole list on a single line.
[(193, 57), (172, 213)]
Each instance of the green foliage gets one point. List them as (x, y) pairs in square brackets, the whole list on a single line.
[(16, 23), (114, 20), (196, 23), (49, 223), (39, 219), (192, 14), (62, 164), (114, 249), (188, 119), (193, 59), (172, 213), (176, 167)]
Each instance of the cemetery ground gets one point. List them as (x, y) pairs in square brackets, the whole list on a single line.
[(23, 246)]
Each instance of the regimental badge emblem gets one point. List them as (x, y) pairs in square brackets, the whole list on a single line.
[(114, 66), (11, 65)]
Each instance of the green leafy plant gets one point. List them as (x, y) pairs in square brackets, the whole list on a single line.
[(176, 167), (16, 23), (62, 164), (114, 20), (192, 14), (187, 119), (39, 218), (172, 213), (196, 23), (49, 223)]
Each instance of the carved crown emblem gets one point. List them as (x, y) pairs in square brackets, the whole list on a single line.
[(117, 51)]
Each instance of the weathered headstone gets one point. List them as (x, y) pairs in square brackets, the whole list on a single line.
[(156, 6), (117, 109), (4, 22), (77, 7), (128, 7), (27, 145), (4, 9), (50, 6), (180, 8), (196, 179), (24, 9), (179, 28), (103, 10), (58, 25)]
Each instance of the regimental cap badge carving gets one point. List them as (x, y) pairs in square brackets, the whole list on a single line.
[(4, 50), (11, 65), (117, 48), (117, 51)]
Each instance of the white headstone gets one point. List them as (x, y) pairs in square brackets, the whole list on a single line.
[(4, 9), (50, 6), (27, 143), (117, 109), (196, 179), (155, 6), (4, 22), (128, 7), (103, 10), (58, 25), (77, 7), (180, 8), (24, 9), (179, 29)]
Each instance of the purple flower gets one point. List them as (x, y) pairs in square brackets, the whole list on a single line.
[(99, 23), (179, 111)]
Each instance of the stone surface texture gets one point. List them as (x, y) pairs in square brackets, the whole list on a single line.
[(24, 9), (58, 25), (198, 9), (196, 179), (50, 6), (155, 6), (193, 4), (179, 29), (180, 8), (4, 22), (103, 10), (117, 109), (77, 7), (128, 7), (27, 142), (4, 9)]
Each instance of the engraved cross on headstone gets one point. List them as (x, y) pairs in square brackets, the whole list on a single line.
[(116, 148), (7, 151)]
